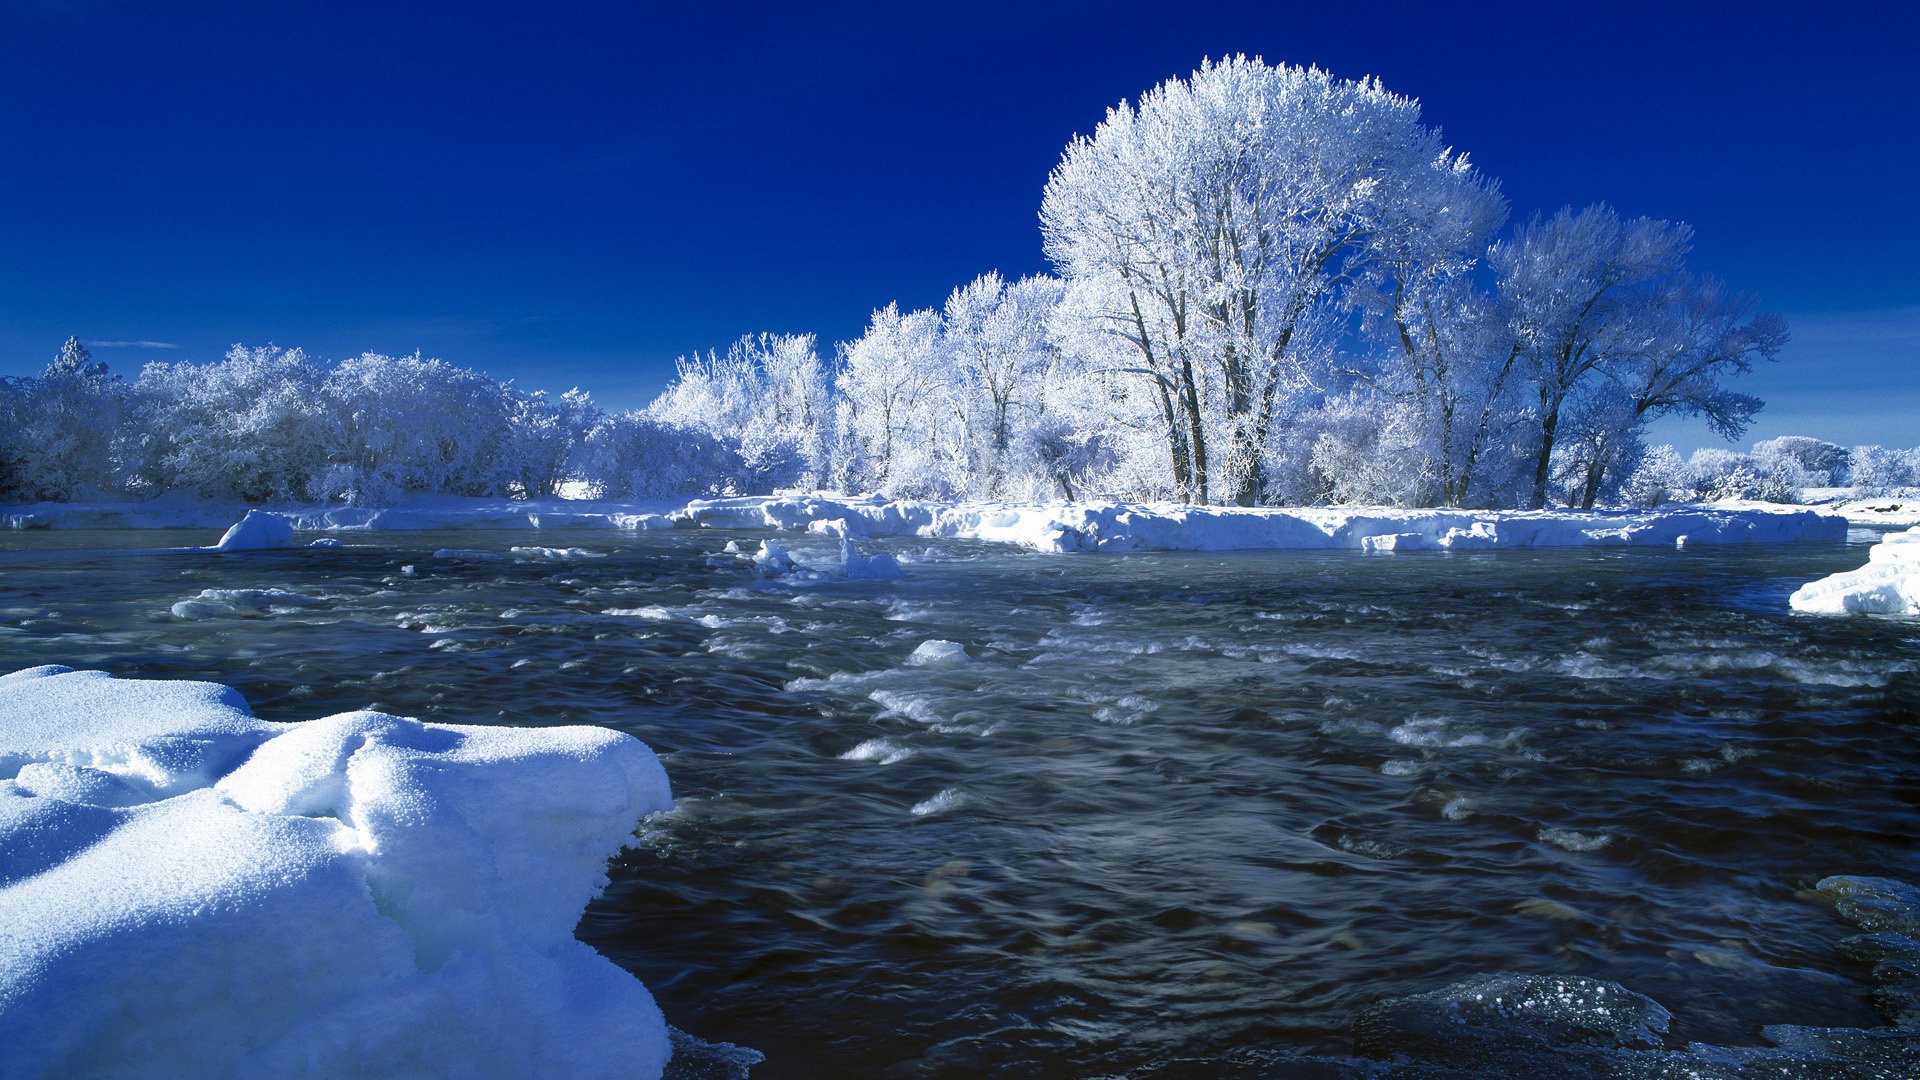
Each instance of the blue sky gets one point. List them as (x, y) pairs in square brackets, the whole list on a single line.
[(575, 196)]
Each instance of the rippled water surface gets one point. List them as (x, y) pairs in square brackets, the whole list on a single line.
[(1155, 814)]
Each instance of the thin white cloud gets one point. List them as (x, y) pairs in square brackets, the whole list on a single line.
[(131, 345)]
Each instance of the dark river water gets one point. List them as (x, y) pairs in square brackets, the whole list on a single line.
[(1151, 815)]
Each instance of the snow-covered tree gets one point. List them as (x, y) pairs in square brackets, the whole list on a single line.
[(410, 424), (252, 426), (1825, 463), (768, 395), (1221, 216), (68, 432), (899, 429), (1578, 290), (544, 435)]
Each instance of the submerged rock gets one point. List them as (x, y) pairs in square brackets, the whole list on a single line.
[(1491, 1020)]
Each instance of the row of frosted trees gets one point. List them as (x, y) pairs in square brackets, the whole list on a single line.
[(1271, 286), (1275, 286), (272, 425)]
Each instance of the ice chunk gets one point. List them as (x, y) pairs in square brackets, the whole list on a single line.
[(937, 653), (773, 560), (881, 567), (257, 531), (364, 895), (1888, 585)]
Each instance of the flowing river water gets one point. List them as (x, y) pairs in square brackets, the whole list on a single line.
[(1149, 815)]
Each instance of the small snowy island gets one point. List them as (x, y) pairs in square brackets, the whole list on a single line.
[(186, 890)]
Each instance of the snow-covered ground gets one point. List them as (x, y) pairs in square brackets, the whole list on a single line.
[(1057, 527), (1888, 585), (1102, 526), (186, 890)]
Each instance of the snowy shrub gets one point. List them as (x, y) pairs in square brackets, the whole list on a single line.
[(408, 424), (1824, 463), (67, 438), (251, 427), (1878, 471), (1660, 476), (768, 396), (1722, 474), (635, 456)]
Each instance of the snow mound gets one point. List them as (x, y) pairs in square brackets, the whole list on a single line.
[(258, 531), (882, 567), (773, 560), (1114, 526), (937, 653), (1888, 585), (188, 890)]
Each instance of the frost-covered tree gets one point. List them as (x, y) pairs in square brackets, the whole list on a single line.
[(544, 435), (1877, 470), (1825, 463), (1220, 217), (253, 426), (637, 456), (768, 395), (1577, 291), (1692, 337), (410, 424), (68, 436), (900, 431), (1002, 362)]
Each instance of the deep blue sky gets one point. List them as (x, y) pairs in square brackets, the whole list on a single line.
[(573, 195)]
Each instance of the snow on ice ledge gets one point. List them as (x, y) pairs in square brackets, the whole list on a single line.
[(1106, 526), (186, 890), (1888, 585)]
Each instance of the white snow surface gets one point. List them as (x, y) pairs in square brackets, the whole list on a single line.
[(257, 531), (1888, 585), (186, 890), (1113, 526), (1087, 526)]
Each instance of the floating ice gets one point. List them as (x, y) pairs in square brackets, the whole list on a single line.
[(1888, 585), (937, 653), (555, 554), (219, 603), (773, 560), (257, 531), (882, 567), (186, 890)]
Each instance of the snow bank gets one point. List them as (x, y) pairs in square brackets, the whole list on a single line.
[(1105, 526), (186, 890), (1888, 585), (258, 531), (407, 513), (1093, 526)]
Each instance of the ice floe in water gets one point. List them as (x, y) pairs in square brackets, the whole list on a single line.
[(257, 531), (554, 554), (1888, 585), (937, 653), (186, 890), (220, 603)]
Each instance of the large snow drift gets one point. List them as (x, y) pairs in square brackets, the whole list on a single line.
[(1888, 585), (186, 890), (1104, 526)]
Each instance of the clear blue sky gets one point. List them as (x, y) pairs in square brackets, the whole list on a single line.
[(574, 194)]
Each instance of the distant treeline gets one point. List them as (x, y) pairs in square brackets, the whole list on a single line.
[(1273, 286), (269, 425)]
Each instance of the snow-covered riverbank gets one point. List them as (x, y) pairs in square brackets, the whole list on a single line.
[(186, 890), (1059, 527)]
